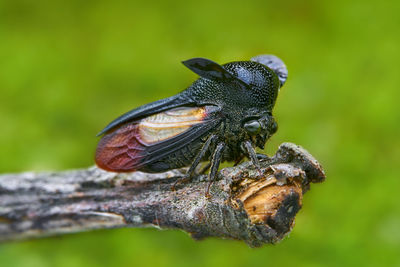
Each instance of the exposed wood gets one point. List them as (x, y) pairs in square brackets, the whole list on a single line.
[(245, 204)]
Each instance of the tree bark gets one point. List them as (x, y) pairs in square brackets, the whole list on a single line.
[(256, 206)]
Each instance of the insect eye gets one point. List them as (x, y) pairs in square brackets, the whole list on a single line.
[(253, 127)]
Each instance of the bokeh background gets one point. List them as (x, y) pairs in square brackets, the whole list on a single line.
[(69, 67)]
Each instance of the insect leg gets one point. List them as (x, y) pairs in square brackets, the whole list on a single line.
[(252, 154), (200, 155), (204, 168), (215, 161), (196, 162), (262, 156)]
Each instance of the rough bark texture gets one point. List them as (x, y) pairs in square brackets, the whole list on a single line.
[(245, 204)]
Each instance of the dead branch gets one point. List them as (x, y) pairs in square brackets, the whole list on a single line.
[(245, 204)]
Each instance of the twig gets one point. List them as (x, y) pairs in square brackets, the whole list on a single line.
[(243, 204)]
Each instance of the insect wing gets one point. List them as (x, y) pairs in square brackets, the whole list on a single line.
[(135, 144), (147, 110)]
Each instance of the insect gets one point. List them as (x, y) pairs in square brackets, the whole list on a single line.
[(223, 116)]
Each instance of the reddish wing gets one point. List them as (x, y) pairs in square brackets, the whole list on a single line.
[(135, 144)]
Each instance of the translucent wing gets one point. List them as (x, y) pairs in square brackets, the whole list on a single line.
[(135, 144), (149, 109)]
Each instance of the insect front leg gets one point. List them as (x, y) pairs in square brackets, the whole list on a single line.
[(253, 155), (215, 161), (196, 162)]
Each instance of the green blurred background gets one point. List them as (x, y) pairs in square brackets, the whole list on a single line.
[(69, 67)]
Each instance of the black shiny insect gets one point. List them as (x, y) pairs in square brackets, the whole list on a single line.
[(222, 116)]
